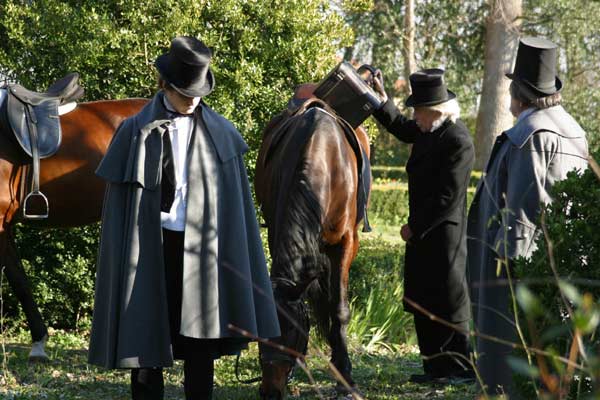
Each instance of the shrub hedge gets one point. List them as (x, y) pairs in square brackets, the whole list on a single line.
[(376, 290), (389, 202), (384, 173), (60, 265)]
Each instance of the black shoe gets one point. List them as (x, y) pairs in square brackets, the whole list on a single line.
[(464, 377), (421, 378)]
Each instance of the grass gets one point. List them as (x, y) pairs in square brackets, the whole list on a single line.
[(381, 375)]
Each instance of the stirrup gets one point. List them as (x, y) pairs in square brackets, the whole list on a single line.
[(35, 216)]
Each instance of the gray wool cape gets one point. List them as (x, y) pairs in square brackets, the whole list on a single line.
[(226, 279), (503, 223)]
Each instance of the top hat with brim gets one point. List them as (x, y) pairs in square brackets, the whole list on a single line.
[(186, 67), (535, 66), (428, 88)]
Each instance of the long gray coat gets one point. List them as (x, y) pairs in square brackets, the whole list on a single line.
[(225, 275), (538, 151)]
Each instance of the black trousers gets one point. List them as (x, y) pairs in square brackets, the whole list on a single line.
[(434, 339), (198, 355)]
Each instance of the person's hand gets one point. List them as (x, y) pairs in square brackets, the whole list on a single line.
[(378, 85), (405, 233)]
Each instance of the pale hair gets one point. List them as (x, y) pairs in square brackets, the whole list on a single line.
[(448, 110), (530, 99)]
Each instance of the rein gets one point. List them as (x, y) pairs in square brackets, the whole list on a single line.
[(237, 373)]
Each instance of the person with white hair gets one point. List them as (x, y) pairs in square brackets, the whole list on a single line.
[(439, 169), (526, 161)]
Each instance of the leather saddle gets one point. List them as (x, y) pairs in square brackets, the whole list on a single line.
[(34, 121), (29, 111)]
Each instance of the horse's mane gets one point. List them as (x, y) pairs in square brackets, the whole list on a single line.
[(298, 214), (298, 217)]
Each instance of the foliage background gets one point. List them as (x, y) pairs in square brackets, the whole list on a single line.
[(262, 49)]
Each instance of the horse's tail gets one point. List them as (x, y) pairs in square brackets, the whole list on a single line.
[(300, 267)]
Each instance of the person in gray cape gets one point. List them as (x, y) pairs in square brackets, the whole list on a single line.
[(526, 160), (180, 258)]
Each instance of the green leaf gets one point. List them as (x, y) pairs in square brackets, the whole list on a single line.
[(528, 301), (586, 321), (522, 367), (570, 292), (555, 332)]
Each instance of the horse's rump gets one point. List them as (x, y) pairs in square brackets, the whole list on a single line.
[(307, 182)]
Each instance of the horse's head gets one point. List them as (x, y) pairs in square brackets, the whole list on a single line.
[(278, 358), (274, 379)]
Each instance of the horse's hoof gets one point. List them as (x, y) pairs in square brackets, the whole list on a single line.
[(345, 394), (38, 353)]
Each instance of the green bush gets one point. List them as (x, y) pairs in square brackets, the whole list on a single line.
[(262, 50), (385, 173), (571, 221), (60, 265), (376, 291), (389, 202)]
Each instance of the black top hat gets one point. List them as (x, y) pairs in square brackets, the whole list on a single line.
[(428, 88), (186, 67), (535, 66)]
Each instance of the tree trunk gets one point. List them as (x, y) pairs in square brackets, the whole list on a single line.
[(501, 41), (408, 41)]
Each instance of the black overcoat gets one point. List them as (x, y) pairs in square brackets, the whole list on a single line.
[(438, 170)]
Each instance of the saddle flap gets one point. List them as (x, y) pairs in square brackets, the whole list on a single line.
[(47, 123)]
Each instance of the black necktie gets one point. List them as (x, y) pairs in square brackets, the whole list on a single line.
[(168, 175), (174, 114)]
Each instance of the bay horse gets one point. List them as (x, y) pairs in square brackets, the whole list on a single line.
[(307, 184), (67, 178)]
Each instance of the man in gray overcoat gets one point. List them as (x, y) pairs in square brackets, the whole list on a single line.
[(180, 256), (539, 150)]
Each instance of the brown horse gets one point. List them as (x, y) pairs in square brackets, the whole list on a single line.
[(67, 178), (307, 183)]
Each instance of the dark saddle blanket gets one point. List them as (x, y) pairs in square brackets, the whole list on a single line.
[(32, 113), (298, 106)]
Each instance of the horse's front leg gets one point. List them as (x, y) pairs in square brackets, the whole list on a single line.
[(294, 321), (18, 282), (341, 257)]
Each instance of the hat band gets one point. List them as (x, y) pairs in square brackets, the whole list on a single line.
[(425, 95), (547, 85)]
